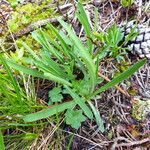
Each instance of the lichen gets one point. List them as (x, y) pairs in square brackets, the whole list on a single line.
[(140, 109)]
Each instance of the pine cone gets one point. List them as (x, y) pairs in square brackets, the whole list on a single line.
[(140, 45)]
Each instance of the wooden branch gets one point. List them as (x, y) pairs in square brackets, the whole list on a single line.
[(134, 143), (40, 23), (33, 26)]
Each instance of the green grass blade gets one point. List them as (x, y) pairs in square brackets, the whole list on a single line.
[(83, 52), (60, 38), (50, 67), (48, 112), (34, 55), (69, 145), (121, 77), (44, 41), (98, 118), (14, 82), (2, 145), (6, 93), (81, 102), (82, 16), (36, 73)]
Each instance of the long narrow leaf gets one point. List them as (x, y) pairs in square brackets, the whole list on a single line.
[(42, 39), (121, 77), (62, 41), (84, 19), (48, 112), (36, 73), (34, 55), (2, 146), (44, 62), (82, 16), (84, 54), (97, 117), (14, 82), (50, 67), (81, 102)]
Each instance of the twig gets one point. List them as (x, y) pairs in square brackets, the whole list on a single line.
[(33, 26), (133, 143), (41, 23)]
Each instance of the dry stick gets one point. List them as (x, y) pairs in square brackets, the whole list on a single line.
[(117, 87), (33, 26), (133, 143), (39, 23)]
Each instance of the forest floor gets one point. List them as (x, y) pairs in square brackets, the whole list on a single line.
[(125, 109)]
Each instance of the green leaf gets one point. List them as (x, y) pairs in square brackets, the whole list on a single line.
[(34, 55), (121, 77), (44, 41), (100, 36), (24, 69), (74, 118), (57, 79), (2, 145), (84, 19), (14, 82), (114, 36), (49, 112), (55, 94), (99, 120), (80, 101), (60, 38), (82, 86), (84, 54), (36, 73), (127, 3), (30, 136)]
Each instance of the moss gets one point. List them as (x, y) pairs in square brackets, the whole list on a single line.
[(26, 14)]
